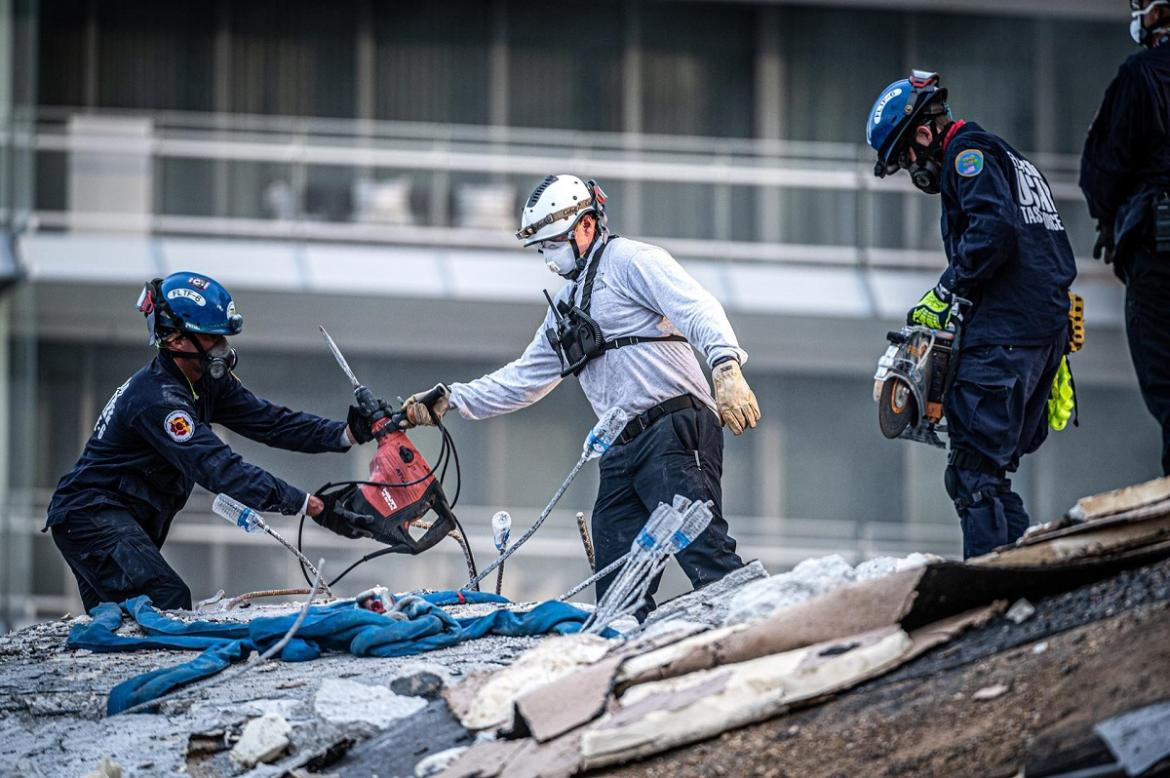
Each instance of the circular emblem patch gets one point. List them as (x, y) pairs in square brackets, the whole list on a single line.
[(969, 163), (179, 426)]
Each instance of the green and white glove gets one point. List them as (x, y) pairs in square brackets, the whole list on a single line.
[(933, 310)]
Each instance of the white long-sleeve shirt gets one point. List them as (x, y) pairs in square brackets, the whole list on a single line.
[(640, 289)]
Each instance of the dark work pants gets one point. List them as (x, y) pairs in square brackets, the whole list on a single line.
[(1147, 326), (997, 410), (681, 453), (113, 559)]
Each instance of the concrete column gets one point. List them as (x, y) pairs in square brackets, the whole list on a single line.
[(769, 468), (221, 99), (632, 124), (769, 115), (498, 66), (365, 75), (6, 442), (90, 87), (1044, 87)]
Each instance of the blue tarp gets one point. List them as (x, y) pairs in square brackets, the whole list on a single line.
[(335, 627)]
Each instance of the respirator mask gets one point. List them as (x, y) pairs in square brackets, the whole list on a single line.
[(219, 359), (1136, 31), (926, 169), (216, 361), (560, 256)]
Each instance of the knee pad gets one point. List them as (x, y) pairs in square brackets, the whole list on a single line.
[(951, 482), (967, 459)]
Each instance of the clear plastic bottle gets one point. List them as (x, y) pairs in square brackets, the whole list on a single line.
[(501, 529), (605, 432), (237, 513)]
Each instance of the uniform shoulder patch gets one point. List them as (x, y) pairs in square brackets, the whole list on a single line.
[(969, 163), (179, 426)]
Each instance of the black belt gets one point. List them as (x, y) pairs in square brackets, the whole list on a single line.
[(645, 419)]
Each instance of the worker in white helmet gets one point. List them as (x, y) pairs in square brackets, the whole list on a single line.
[(627, 325)]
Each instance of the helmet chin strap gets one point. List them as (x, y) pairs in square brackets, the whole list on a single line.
[(212, 364)]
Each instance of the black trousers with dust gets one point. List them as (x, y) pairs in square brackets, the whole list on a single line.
[(1147, 326), (113, 559), (681, 453)]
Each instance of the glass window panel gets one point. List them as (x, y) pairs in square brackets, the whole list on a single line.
[(1087, 57), (561, 78), (185, 187), (298, 61), (994, 86), (819, 216), (155, 56), (698, 69), (678, 210), (61, 52), (429, 69), (836, 63)]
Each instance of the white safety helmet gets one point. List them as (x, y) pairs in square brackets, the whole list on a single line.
[(556, 205)]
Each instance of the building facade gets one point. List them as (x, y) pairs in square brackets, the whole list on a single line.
[(361, 165)]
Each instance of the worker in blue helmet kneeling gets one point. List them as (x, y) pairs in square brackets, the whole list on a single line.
[(1008, 253), (153, 442)]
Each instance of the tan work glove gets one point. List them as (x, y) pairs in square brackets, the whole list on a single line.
[(425, 409), (734, 399)]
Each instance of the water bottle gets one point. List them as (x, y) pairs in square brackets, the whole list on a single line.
[(694, 521), (501, 529), (236, 512), (605, 432)]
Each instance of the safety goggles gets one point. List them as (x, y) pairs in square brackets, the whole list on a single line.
[(552, 244), (553, 217)]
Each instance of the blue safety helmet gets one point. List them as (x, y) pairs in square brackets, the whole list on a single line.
[(899, 109), (187, 302)]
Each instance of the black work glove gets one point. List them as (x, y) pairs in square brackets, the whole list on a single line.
[(337, 519), (361, 424), (1103, 248)]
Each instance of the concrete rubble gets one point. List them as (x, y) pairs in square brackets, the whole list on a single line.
[(263, 739), (750, 648)]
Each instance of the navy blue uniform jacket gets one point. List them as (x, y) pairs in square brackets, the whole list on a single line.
[(1007, 250), (1126, 161), (153, 442)]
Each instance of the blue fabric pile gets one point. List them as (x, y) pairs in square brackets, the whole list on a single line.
[(418, 624)]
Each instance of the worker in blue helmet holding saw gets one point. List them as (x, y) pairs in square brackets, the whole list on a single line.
[(1008, 254), (153, 442), (625, 323)]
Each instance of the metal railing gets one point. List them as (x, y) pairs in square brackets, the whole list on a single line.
[(240, 176)]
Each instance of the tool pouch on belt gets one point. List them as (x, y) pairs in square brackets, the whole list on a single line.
[(1162, 224), (1076, 322), (1062, 399)]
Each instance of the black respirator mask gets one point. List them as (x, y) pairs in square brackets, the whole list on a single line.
[(926, 169), (217, 361)]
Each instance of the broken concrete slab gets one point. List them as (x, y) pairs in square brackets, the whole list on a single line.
[(1119, 500), (402, 748), (556, 708), (658, 715), (812, 578), (262, 740), (707, 605), (556, 658), (341, 701), (1139, 738)]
